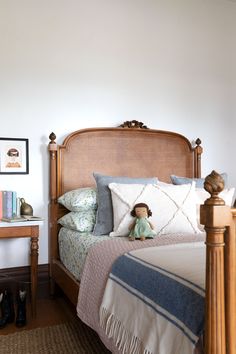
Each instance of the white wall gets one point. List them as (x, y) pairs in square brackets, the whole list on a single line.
[(66, 65)]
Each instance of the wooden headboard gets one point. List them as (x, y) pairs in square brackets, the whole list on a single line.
[(130, 150)]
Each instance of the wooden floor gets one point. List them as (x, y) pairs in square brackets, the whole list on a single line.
[(49, 312)]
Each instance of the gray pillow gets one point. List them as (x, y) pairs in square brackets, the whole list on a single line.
[(199, 181), (104, 218)]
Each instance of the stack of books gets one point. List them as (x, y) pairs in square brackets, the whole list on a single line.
[(10, 208), (9, 205)]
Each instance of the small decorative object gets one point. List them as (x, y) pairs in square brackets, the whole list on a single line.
[(133, 124), (25, 208), (141, 228)]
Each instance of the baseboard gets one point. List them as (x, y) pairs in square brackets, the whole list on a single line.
[(19, 277)]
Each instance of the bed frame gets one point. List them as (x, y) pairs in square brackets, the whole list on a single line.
[(133, 150)]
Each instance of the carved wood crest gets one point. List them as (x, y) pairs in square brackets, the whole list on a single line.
[(133, 124)]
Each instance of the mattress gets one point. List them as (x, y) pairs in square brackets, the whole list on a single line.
[(74, 247)]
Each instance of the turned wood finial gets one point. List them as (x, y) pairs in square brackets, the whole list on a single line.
[(214, 184), (197, 158), (52, 138), (198, 142), (134, 124), (52, 146)]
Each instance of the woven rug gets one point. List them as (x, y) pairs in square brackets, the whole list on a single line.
[(66, 338)]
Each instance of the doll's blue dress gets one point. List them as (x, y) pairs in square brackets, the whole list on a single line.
[(142, 228)]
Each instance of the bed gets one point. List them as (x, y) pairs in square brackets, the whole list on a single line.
[(113, 152)]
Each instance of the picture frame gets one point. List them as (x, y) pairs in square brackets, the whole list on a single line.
[(14, 156)]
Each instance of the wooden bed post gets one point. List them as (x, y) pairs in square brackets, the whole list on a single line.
[(197, 158), (215, 216), (230, 284), (53, 206)]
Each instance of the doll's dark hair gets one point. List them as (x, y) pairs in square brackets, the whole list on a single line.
[(140, 205)]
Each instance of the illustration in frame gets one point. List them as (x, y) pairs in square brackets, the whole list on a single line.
[(14, 156)]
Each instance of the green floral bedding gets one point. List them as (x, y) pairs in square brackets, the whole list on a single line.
[(74, 247)]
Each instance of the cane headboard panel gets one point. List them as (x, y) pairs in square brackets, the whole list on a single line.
[(133, 152)]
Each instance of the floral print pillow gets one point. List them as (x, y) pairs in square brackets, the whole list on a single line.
[(82, 221), (79, 199)]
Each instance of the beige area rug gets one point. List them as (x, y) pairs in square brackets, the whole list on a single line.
[(66, 338)]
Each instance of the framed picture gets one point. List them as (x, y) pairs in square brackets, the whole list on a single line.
[(14, 156)]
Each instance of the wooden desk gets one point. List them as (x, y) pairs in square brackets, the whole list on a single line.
[(26, 229)]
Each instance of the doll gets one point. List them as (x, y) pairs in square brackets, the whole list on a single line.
[(141, 228)]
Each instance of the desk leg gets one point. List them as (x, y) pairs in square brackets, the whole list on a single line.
[(34, 267)]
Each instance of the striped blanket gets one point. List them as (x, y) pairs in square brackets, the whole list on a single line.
[(154, 300)]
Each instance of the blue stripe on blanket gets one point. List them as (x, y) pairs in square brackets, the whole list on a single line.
[(166, 292), (168, 272)]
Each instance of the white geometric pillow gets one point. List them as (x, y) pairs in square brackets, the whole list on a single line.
[(173, 207)]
